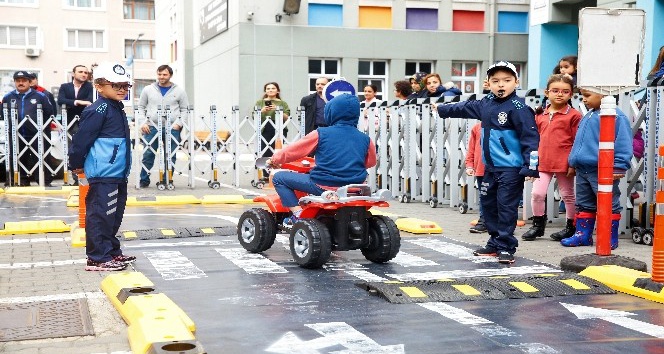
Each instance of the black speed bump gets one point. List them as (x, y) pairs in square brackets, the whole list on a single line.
[(177, 232), (486, 288)]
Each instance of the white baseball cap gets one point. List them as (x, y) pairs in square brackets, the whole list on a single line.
[(502, 65), (112, 72)]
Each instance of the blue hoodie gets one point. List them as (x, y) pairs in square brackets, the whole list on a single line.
[(585, 151), (342, 149)]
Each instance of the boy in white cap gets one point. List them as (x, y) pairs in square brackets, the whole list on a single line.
[(509, 135), (101, 148)]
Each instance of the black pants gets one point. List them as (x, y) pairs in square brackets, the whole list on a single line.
[(105, 206)]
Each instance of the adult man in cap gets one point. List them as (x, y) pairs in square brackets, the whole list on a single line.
[(25, 100), (314, 105)]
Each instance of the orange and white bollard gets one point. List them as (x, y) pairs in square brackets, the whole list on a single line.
[(83, 188), (607, 137), (658, 239)]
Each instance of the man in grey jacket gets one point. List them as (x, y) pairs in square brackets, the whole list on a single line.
[(161, 93)]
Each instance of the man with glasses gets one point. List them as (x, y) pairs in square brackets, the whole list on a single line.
[(161, 93)]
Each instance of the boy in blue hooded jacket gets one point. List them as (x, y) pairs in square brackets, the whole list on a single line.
[(584, 158), (101, 148), (343, 154), (509, 135)]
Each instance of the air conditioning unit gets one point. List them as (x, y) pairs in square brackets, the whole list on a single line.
[(32, 52)]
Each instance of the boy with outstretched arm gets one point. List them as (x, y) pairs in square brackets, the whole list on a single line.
[(508, 137), (101, 148)]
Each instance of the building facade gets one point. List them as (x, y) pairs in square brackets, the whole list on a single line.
[(49, 37), (238, 46)]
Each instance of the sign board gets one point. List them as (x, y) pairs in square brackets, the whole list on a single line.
[(213, 19), (539, 12), (336, 88), (610, 49)]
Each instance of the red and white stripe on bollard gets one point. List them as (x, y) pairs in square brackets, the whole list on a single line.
[(658, 240), (607, 137)]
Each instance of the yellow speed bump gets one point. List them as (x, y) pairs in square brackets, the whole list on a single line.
[(77, 235), (118, 286), (40, 190), (626, 280), (418, 226), (161, 334), (154, 305), (227, 199), (163, 200), (34, 227), (72, 200)]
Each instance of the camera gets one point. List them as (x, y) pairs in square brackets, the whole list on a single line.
[(268, 103)]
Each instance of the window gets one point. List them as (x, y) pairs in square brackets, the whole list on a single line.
[(85, 4), (19, 2), (371, 73), (138, 86), (471, 21), (466, 76), (413, 67), (514, 22), (375, 17), (174, 51), (328, 68), (326, 15), (145, 49), (138, 9), (422, 19), (85, 39), (6, 81), (16, 36)]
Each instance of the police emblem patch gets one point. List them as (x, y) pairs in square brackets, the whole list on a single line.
[(118, 69), (33, 101), (502, 118)]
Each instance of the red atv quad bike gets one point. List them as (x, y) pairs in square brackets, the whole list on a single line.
[(335, 221)]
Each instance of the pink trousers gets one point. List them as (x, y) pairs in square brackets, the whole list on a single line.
[(566, 186)]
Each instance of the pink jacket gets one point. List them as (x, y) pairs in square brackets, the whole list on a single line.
[(474, 155), (557, 131)]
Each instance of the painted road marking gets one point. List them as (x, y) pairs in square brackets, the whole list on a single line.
[(42, 264), (485, 327), (451, 249), (333, 333), (616, 317), (251, 263), (172, 265), (486, 272), (34, 240), (408, 260), (366, 276), (54, 297)]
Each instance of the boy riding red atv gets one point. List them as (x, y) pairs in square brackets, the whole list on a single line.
[(335, 215)]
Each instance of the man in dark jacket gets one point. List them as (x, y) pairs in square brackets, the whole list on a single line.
[(314, 106), (25, 100), (76, 95)]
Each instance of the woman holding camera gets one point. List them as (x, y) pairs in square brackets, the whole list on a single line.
[(268, 107)]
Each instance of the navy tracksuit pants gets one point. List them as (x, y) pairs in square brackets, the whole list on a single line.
[(501, 192), (105, 205)]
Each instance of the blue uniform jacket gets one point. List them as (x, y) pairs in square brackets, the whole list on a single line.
[(26, 105), (102, 146), (509, 132), (585, 150)]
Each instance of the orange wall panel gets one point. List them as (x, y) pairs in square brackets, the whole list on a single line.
[(375, 17)]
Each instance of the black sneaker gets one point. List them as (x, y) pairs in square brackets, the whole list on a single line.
[(104, 266), (478, 228), (485, 251), (124, 259), (144, 184), (505, 257)]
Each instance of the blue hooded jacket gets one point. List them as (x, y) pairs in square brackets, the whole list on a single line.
[(342, 149), (585, 151)]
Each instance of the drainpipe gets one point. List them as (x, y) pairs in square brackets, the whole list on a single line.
[(492, 29)]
